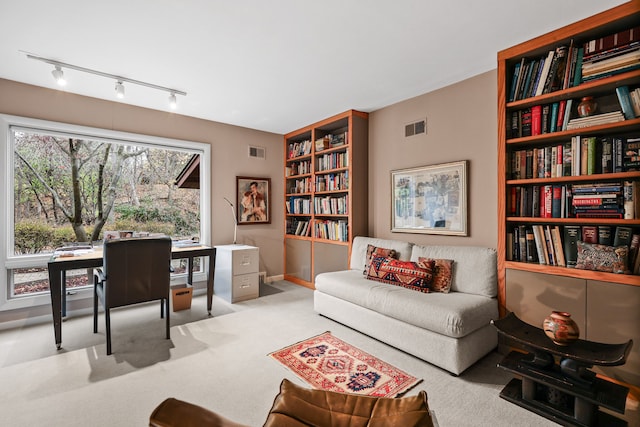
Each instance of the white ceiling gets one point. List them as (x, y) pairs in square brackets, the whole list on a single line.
[(273, 65)]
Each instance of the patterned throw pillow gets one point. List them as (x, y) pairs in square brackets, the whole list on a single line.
[(412, 275), (611, 259), (442, 274), (373, 251)]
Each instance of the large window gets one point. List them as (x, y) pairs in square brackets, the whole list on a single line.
[(66, 184)]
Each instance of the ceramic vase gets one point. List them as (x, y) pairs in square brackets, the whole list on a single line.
[(560, 327), (587, 106)]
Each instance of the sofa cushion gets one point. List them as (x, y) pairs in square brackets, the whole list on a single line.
[(442, 274), (359, 250), (299, 406), (416, 276), (455, 314), (374, 251), (476, 268)]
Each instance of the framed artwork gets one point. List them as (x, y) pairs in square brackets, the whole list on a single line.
[(253, 200), (430, 199)]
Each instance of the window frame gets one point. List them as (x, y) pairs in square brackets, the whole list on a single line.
[(9, 261)]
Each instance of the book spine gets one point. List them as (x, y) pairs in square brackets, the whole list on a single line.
[(571, 237), (590, 234), (622, 236), (536, 120), (625, 102)]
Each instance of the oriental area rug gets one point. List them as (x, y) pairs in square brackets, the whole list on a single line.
[(328, 363)]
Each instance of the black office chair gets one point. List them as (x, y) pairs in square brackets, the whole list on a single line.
[(133, 271)]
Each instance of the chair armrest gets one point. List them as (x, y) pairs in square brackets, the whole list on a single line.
[(99, 275), (177, 413)]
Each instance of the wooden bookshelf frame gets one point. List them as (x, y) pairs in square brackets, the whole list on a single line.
[(626, 15), (356, 149)]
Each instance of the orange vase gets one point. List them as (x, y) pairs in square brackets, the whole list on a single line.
[(560, 327)]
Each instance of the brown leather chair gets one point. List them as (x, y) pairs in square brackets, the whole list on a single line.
[(297, 406), (133, 271)]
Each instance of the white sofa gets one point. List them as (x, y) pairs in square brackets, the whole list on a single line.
[(450, 330)]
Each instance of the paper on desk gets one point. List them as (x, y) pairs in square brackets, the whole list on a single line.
[(71, 252)]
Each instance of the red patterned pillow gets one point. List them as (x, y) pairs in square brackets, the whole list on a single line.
[(442, 274), (373, 251), (611, 259), (408, 274)]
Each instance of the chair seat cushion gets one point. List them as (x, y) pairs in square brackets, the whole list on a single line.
[(298, 406)]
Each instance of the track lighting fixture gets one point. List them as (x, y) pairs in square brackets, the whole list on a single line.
[(119, 90), (58, 74)]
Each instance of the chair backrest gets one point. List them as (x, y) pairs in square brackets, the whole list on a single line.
[(137, 270)]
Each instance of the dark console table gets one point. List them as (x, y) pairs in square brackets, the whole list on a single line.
[(556, 381)]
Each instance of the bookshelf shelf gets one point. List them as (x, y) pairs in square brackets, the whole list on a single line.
[(337, 154), (580, 178), (588, 88), (627, 125), (514, 139), (596, 221), (625, 279)]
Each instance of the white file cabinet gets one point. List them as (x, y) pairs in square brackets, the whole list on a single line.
[(236, 273)]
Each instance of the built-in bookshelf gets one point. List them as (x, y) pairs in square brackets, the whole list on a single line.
[(561, 176), (326, 194)]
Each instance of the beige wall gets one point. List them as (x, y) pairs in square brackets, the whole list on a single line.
[(228, 153), (461, 125)]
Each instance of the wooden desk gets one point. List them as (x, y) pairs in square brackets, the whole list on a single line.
[(58, 268)]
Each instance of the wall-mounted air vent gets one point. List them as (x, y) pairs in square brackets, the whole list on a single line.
[(257, 152), (415, 128)]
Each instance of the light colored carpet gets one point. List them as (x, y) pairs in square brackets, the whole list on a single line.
[(220, 363)]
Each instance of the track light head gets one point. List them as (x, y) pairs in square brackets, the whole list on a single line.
[(173, 102), (119, 89), (58, 75)]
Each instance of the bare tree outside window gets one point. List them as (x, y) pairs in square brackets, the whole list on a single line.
[(72, 189)]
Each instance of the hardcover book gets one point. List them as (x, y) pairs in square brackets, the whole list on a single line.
[(571, 237), (622, 236), (590, 234), (604, 235)]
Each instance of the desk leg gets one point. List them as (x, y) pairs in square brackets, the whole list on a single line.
[(55, 288), (63, 292), (212, 267), (190, 270)]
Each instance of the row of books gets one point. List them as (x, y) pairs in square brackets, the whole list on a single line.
[(332, 181), (298, 205), (331, 140), (298, 227), (562, 115), (331, 230), (298, 168), (569, 65), (331, 205), (297, 186), (333, 161), (554, 71), (594, 200), (556, 245), (300, 148), (621, 58), (581, 156), (540, 119)]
